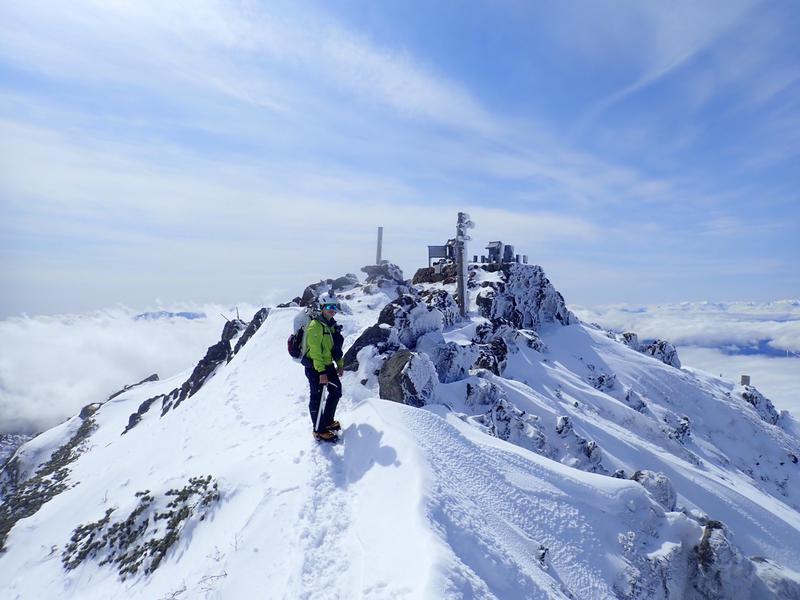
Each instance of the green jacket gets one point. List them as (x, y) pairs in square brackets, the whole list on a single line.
[(319, 340)]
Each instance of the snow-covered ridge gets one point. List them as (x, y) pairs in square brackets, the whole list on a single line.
[(525, 455)]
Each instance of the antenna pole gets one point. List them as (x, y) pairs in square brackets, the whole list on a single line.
[(380, 246)]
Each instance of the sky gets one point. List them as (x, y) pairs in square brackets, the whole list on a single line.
[(232, 151)]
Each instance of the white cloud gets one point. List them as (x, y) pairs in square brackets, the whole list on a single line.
[(708, 324), (61, 363), (723, 339), (774, 377)]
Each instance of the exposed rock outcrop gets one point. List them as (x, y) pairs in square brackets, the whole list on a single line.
[(659, 486), (384, 275), (376, 335), (22, 499), (444, 302), (409, 378), (761, 404), (444, 274), (410, 319), (663, 351), (526, 299), (216, 355)]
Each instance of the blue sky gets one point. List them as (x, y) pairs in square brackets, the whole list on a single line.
[(212, 151)]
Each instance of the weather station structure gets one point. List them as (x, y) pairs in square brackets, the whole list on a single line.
[(454, 253)]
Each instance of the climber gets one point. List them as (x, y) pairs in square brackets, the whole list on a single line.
[(324, 367)]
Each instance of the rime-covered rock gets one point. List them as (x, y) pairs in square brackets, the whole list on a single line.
[(505, 421), (383, 275), (444, 274), (492, 356), (761, 404), (718, 569), (345, 282), (631, 340), (452, 361), (375, 335), (526, 299), (409, 378), (410, 319), (659, 486), (663, 351), (444, 302)]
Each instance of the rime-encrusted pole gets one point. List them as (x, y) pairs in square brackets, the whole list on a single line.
[(380, 246), (462, 238)]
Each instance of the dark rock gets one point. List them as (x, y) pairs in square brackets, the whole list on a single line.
[(27, 497), (662, 350), (255, 323), (232, 328), (153, 377), (602, 381), (762, 405), (430, 275), (88, 410), (492, 356), (346, 282), (372, 336), (410, 319), (408, 378), (384, 274), (443, 302), (563, 425), (631, 340), (526, 299)]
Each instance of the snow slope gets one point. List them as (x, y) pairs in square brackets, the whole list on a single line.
[(416, 503)]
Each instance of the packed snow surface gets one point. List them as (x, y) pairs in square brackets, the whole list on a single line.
[(434, 502)]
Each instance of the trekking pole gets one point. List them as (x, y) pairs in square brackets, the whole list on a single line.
[(322, 399)]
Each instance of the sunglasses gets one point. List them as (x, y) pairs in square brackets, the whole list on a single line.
[(330, 307)]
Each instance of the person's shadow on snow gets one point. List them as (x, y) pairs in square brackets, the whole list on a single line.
[(362, 450)]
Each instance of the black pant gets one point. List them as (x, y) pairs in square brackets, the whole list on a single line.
[(331, 400)]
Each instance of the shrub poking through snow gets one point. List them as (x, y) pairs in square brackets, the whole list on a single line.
[(48, 481), (143, 538)]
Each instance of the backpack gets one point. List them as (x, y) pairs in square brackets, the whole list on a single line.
[(294, 344)]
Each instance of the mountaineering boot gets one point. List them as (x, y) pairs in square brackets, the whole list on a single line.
[(325, 436), (335, 426)]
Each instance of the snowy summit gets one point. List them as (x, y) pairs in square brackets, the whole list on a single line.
[(514, 453)]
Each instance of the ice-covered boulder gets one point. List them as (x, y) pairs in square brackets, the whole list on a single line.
[(762, 405), (659, 486), (631, 340), (717, 569), (663, 351), (444, 302), (409, 378), (410, 319), (383, 275), (525, 298), (452, 361), (376, 335)]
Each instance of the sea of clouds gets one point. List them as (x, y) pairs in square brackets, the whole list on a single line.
[(728, 339), (52, 366)]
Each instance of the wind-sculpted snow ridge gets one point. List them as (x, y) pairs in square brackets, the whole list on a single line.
[(524, 455)]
